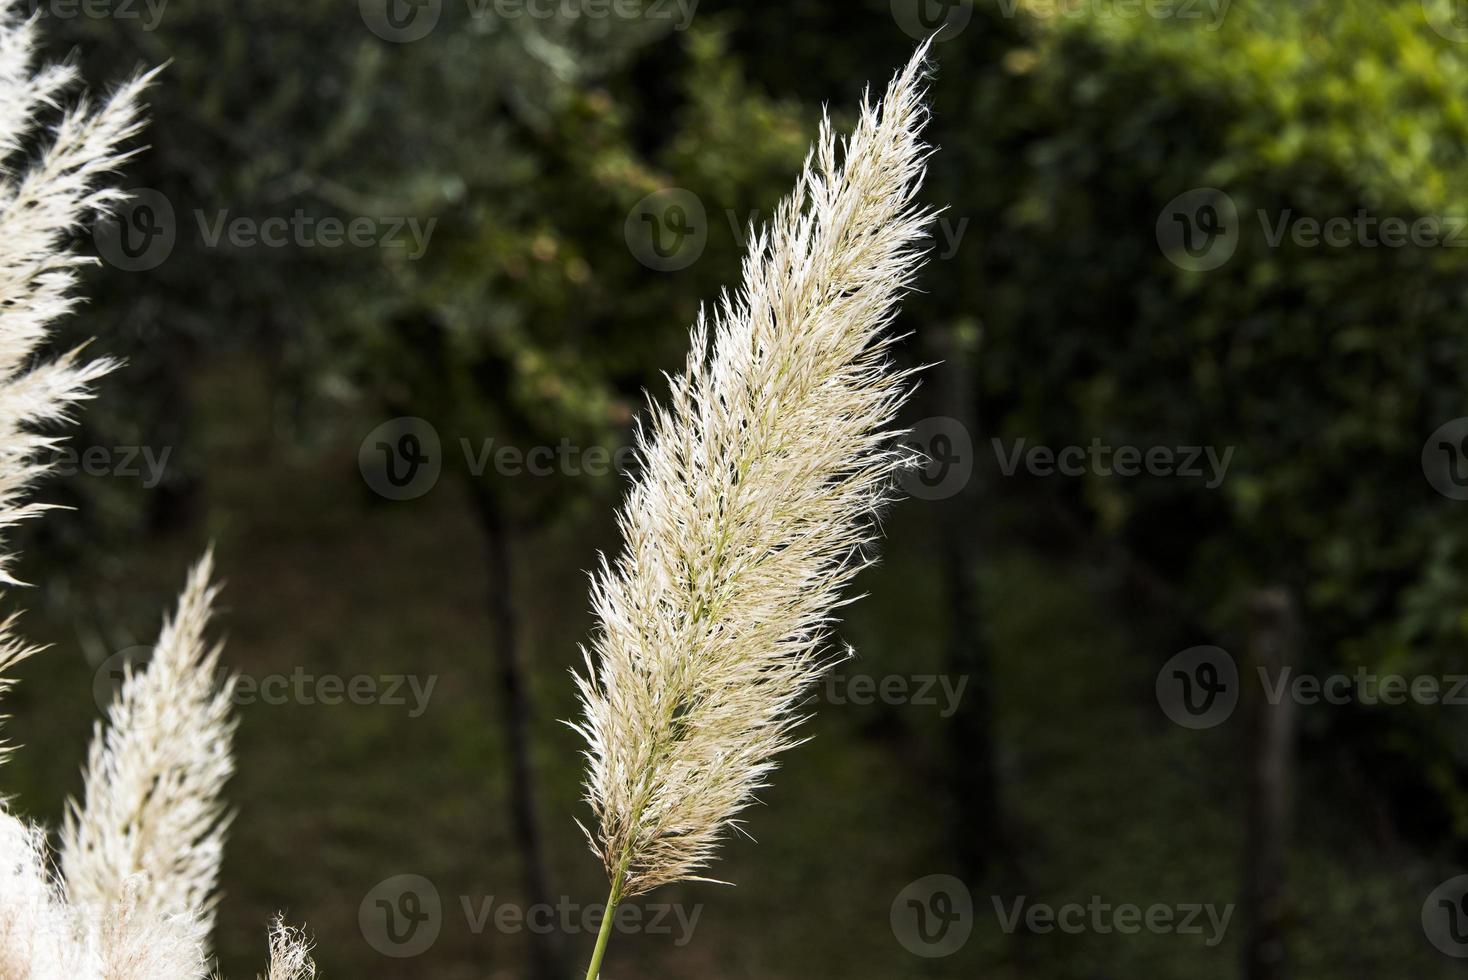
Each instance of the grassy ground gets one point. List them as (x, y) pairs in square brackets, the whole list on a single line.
[(1104, 797)]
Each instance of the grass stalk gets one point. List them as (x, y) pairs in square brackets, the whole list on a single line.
[(604, 937)]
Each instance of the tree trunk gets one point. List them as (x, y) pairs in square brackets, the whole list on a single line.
[(973, 776), (546, 957), (1272, 636)]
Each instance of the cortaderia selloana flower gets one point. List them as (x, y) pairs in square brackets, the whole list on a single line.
[(760, 485), (141, 851)]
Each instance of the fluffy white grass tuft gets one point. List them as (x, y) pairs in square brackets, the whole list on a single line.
[(290, 954), (154, 779), (141, 854), (757, 502)]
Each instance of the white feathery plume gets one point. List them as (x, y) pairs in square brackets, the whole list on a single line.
[(54, 195), (290, 954), (41, 204), (42, 937), (155, 776), (38, 934), (756, 505), (142, 856), (131, 941)]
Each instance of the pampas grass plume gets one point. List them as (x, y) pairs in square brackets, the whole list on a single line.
[(761, 480), (141, 854)]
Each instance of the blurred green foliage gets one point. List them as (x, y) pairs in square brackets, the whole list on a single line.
[(1326, 367), (1067, 129)]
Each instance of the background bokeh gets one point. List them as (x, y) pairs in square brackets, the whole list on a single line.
[(1236, 226)]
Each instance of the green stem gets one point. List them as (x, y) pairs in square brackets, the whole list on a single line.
[(594, 971)]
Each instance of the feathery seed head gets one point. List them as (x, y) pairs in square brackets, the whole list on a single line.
[(755, 507), (141, 858), (155, 776), (290, 954), (41, 204)]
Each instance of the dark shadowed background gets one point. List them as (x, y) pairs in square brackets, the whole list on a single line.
[(1159, 676)]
